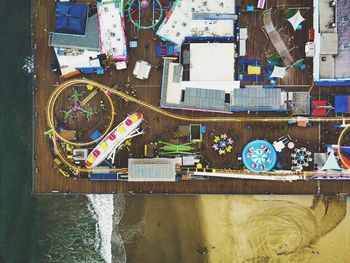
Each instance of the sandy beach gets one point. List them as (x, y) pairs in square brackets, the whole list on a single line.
[(236, 229), (165, 229)]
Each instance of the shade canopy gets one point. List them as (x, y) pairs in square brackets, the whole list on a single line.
[(331, 163), (296, 20), (278, 72), (254, 70), (71, 18)]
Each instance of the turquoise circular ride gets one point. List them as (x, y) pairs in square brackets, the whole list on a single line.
[(259, 156)]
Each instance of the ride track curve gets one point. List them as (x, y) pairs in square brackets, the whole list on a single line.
[(340, 139), (79, 82)]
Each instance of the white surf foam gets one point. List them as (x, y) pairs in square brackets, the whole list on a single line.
[(119, 252), (29, 64), (103, 208)]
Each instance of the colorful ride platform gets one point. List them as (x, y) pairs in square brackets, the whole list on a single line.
[(259, 156)]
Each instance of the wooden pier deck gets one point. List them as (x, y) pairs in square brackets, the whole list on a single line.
[(48, 180)]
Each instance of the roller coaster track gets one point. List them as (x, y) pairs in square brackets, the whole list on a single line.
[(340, 139), (51, 123), (88, 98)]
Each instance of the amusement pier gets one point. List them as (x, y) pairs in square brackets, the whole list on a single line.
[(191, 97)]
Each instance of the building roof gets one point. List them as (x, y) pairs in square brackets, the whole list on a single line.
[(196, 94), (198, 18), (82, 59), (157, 169), (257, 98), (71, 18), (209, 99), (87, 41), (212, 61), (342, 104), (329, 44), (111, 26), (301, 102)]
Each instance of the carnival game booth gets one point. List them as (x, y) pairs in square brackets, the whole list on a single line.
[(259, 156)]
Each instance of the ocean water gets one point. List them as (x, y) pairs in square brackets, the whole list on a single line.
[(17, 206), (79, 229), (41, 228)]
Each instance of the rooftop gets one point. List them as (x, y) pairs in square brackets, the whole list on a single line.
[(156, 170), (87, 41), (111, 28), (71, 18), (212, 61), (333, 58), (198, 18)]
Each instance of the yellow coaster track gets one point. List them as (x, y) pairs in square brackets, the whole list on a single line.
[(104, 88)]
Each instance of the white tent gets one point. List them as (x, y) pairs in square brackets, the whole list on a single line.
[(278, 72), (296, 20), (142, 69), (331, 163)]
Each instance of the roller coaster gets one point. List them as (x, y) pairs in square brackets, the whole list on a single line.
[(50, 113)]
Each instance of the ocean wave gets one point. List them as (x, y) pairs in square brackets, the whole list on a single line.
[(108, 211), (118, 250), (119, 207), (28, 66), (103, 209)]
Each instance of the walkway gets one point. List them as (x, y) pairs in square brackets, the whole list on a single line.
[(276, 38)]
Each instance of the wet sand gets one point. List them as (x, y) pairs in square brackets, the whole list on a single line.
[(237, 229), (165, 229)]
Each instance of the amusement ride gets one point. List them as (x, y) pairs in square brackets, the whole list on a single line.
[(144, 14), (261, 159)]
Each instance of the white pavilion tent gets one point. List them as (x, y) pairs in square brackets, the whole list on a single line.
[(331, 163), (278, 72), (296, 20)]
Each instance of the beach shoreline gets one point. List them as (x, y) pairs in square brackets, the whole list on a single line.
[(220, 228)]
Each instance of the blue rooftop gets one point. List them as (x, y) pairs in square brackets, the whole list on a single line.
[(71, 18)]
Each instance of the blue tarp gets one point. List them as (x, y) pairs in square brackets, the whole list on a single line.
[(341, 104), (71, 18), (103, 176), (95, 135)]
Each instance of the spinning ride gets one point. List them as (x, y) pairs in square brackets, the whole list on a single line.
[(259, 156), (301, 157), (222, 144)]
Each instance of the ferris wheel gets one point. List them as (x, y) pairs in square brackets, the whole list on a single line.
[(301, 157), (144, 14)]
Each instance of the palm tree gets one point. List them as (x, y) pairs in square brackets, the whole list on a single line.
[(67, 115), (177, 134), (76, 95), (89, 112), (109, 62)]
